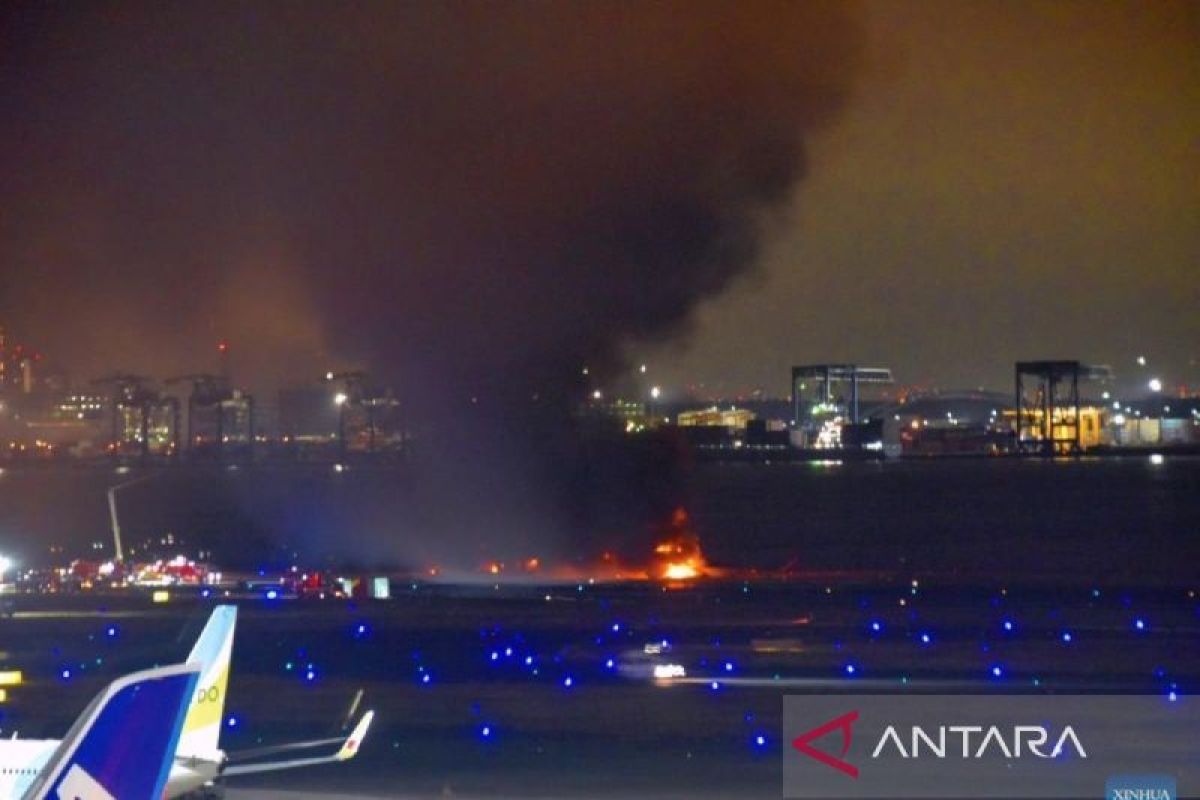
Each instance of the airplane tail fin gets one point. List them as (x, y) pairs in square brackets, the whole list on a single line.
[(212, 651), (123, 744)]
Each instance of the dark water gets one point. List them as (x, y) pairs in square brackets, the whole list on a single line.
[(1113, 520)]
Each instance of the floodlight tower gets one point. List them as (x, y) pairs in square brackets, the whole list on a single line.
[(349, 393)]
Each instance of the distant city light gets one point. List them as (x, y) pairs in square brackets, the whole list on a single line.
[(655, 392), (340, 399), (1155, 385), (1141, 360)]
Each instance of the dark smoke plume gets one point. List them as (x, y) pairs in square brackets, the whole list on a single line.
[(473, 200)]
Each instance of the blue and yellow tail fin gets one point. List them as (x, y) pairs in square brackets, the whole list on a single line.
[(212, 651)]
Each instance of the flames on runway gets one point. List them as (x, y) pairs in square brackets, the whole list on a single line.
[(675, 559)]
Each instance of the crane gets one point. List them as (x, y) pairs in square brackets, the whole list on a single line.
[(135, 391)]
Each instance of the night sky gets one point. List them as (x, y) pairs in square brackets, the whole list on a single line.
[(481, 198)]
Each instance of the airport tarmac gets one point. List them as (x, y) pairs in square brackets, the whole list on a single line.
[(527, 691)]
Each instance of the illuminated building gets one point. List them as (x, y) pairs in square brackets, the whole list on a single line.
[(731, 417), (79, 407)]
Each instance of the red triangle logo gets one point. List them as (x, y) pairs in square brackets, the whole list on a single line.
[(844, 723)]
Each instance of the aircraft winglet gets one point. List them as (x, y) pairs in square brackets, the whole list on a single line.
[(350, 746)]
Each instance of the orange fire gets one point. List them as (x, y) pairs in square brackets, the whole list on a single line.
[(676, 559), (679, 557)]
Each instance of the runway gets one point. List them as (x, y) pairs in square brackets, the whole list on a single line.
[(503, 693)]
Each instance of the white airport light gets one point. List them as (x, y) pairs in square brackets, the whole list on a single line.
[(340, 399), (1141, 360), (5, 564), (1155, 385), (666, 672), (655, 392)]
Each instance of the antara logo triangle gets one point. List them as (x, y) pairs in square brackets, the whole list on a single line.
[(844, 723)]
